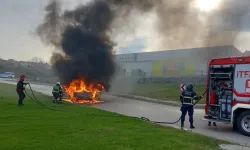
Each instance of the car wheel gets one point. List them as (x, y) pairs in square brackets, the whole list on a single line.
[(243, 123)]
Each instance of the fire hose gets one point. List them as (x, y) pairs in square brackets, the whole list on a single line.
[(142, 118), (146, 119), (37, 101)]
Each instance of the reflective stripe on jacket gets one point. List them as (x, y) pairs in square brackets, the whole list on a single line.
[(57, 89), (188, 97)]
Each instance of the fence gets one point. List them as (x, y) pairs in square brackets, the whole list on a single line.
[(150, 84), (172, 80), (162, 80)]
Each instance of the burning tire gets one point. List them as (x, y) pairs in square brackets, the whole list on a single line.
[(243, 123)]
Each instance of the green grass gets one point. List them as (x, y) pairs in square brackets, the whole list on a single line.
[(33, 127), (164, 91)]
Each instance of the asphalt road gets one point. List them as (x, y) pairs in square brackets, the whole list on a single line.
[(158, 112)]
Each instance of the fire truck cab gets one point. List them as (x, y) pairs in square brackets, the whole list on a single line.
[(228, 94)]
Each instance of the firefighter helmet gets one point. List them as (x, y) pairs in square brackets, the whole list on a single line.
[(22, 76), (58, 83), (189, 87)]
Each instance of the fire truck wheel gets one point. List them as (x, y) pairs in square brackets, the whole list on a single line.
[(243, 123)]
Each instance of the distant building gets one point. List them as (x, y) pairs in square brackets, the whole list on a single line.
[(173, 62), (246, 53)]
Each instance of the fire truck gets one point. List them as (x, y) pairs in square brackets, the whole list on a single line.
[(228, 94)]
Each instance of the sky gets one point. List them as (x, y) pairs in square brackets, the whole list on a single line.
[(19, 18)]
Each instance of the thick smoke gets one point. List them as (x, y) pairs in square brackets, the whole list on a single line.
[(224, 26), (50, 30), (178, 25), (82, 37)]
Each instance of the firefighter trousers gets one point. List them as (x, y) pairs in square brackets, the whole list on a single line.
[(57, 96), (184, 110), (21, 96)]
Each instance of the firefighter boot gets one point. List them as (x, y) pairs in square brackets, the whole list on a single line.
[(214, 123), (191, 125), (182, 124), (60, 101)]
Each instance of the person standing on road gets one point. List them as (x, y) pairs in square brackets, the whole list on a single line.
[(20, 88), (188, 97)]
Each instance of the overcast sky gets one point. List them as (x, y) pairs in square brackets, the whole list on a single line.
[(19, 18)]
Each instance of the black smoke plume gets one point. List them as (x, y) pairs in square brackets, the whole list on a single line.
[(82, 37)]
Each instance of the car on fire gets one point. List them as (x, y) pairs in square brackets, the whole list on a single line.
[(82, 96), (78, 91)]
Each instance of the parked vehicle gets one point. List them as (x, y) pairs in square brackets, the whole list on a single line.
[(7, 75)]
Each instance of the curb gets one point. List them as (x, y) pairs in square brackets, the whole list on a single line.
[(233, 147), (152, 100)]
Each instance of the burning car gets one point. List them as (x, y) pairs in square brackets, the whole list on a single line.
[(79, 92)]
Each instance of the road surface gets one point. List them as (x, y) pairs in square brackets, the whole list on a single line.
[(158, 112)]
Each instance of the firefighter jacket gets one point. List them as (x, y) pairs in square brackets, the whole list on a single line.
[(189, 97), (57, 89), (20, 86)]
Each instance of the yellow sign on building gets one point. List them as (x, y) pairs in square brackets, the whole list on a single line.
[(165, 68)]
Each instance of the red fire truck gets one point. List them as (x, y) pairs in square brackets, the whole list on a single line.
[(228, 94)]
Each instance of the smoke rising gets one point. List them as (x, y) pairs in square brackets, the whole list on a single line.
[(85, 37), (50, 30), (82, 37), (224, 25), (181, 25), (178, 25)]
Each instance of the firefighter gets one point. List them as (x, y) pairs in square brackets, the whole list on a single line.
[(188, 97), (20, 88), (57, 92)]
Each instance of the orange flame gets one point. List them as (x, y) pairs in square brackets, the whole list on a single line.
[(79, 86)]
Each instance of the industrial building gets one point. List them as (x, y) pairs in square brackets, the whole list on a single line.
[(168, 63)]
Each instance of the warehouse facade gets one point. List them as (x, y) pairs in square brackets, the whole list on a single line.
[(183, 62)]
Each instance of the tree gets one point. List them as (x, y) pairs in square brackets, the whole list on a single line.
[(37, 60)]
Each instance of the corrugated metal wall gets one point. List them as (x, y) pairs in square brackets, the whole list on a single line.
[(171, 63)]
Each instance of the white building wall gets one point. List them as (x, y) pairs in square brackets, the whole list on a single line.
[(144, 61)]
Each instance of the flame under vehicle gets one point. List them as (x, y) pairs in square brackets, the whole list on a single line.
[(81, 93), (228, 94)]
